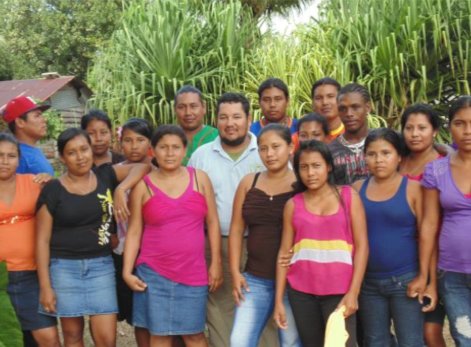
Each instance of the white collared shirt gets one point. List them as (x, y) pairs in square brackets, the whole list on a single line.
[(225, 174)]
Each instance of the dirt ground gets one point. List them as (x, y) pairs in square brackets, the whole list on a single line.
[(126, 336)]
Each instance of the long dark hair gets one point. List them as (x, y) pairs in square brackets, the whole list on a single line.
[(70, 134), (168, 129), (461, 103), (281, 130), (428, 111), (314, 117), (139, 126), (310, 147), (321, 148), (388, 135)]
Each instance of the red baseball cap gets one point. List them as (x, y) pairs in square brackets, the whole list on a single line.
[(19, 106)]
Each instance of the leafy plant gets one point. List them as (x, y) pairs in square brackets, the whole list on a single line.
[(165, 44), (10, 333), (55, 124), (404, 51), (56, 35)]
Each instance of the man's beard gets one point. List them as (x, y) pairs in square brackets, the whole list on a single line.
[(233, 143)]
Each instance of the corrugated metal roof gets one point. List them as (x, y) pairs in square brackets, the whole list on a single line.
[(40, 89)]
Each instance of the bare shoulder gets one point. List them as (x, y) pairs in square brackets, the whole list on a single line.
[(414, 186), (139, 188), (247, 180), (289, 206), (357, 185), (201, 175)]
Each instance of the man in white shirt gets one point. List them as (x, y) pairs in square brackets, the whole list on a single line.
[(226, 160)]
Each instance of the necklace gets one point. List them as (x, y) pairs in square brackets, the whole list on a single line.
[(77, 186), (356, 148), (411, 169)]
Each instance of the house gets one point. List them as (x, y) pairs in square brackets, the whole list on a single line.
[(67, 95)]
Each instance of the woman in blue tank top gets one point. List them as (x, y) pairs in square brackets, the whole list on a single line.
[(393, 206)]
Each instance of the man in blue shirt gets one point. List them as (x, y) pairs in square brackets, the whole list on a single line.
[(26, 121)]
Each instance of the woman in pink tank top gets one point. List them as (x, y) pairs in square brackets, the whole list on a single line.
[(326, 228), (165, 245)]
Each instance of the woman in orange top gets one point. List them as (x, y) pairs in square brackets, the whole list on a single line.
[(18, 195)]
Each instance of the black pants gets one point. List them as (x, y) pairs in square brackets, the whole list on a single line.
[(28, 339), (311, 313)]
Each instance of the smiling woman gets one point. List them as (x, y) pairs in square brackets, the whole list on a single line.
[(74, 229), (164, 262), (18, 195), (420, 124)]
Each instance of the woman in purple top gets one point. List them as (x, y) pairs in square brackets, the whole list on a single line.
[(165, 241), (447, 190)]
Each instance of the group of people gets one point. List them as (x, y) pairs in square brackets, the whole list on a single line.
[(247, 234)]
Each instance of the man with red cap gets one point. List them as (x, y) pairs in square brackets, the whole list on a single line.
[(25, 120)]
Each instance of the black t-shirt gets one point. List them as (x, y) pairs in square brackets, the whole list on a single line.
[(82, 224)]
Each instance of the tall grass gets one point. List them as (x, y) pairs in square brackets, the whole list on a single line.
[(164, 44), (404, 51)]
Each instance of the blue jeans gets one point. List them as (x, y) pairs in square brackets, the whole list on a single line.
[(455, 289), (384, 299), (255, 311)]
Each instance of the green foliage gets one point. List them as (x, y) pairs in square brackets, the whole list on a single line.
[(299, 63), (10, 333), (55, 124), (56, 35), (6, 68), (164, 44), (261, 7), (404, 51)]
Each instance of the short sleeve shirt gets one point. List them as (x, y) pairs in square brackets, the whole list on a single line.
[(82, 224), (33, 161), (455, 232), (225, 174)]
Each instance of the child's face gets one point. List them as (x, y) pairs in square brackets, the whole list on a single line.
[(313, 170), (274, 151), (311, 131), (382, 159), (135, 146), (100, 135)]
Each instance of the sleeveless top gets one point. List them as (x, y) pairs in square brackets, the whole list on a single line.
[(392, 234), (421, 175), (322, 263), (263, 215), (173, 237)]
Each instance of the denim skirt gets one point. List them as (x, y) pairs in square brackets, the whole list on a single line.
[(83, 287), (167, 307), (23, 289)]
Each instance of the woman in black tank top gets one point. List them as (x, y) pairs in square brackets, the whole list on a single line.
[(258, 207)]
